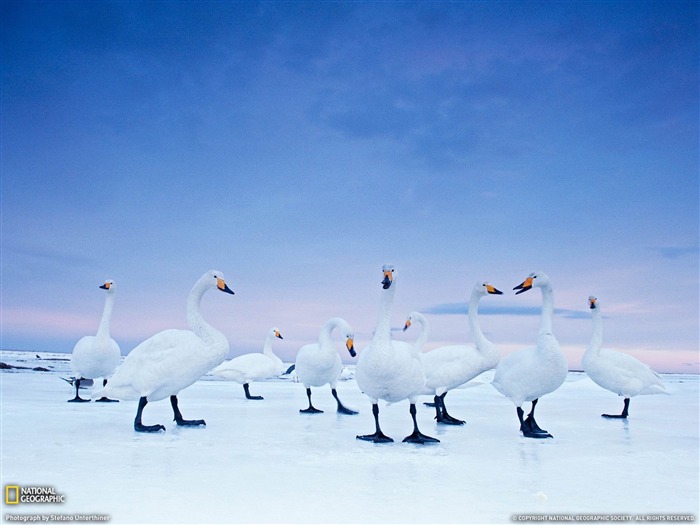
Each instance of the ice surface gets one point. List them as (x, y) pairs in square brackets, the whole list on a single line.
[(263, 462)]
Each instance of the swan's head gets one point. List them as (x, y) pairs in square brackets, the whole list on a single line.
[(538, 279), (593, 303), (216, 278), (350, 344), (414, 317), (485, 288), (109, 286), (389, 276), (276, 333)]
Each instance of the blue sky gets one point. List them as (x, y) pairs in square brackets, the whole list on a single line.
[(298, 146)]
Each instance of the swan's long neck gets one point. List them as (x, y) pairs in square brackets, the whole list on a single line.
[(597, 337), (103, 329), (547, 310), (424, 331), (382, 331), (194, 317), (479, 338), (324, 337), (267, 347)]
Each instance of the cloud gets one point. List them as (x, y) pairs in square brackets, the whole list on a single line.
[(528, 311), (673, 253)]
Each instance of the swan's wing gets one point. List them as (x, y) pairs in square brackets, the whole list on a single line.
[(246, 366), (629, 374), (160, 359), (452, 365)]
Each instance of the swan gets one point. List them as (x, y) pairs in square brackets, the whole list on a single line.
[(319, 364), (172, 360), (96, 355), (530, 373), (253, 367), (620, 373), (448, 367), (390, 370)]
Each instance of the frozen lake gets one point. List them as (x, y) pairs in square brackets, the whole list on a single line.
[(263, 462)]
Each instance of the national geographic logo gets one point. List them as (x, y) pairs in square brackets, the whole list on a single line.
[(14, 495)]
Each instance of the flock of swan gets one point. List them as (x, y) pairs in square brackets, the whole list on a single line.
[(389, 370)]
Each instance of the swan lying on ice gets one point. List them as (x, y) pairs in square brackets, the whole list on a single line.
[(172, 360), (448, 367), (530, 373), (253, 367), (620, 373), (96, 355), (390, 370), (319, 364)]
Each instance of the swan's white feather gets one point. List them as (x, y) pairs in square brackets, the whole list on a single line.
[(171, 360)]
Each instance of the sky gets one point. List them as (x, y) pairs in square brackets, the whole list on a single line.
[(299, 146)]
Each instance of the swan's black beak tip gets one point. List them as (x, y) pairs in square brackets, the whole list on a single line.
[(352, 352)]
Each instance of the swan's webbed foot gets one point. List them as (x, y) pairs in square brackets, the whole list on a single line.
[(138, 427), (377, 437), (310, 410), (419, 438), (447, 419), (180, 420), (623, 415), (530, 429), (342, 409), (432, 405), (106, 400), (247, 393), (190, 422), (78, 399)]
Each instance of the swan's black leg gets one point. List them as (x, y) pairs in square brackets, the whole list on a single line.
[(105, 399), (625, 411), (77, 398), (526, 426), (184, 422), (416, 436), (533, 426), (436, 404), (341, 408), (247, 393), (138, 426), (443, 416), (378, 436), (311, 409)]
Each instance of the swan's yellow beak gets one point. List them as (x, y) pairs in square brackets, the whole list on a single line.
[(592, 303), (407, 325), (221, 285), (106, 285), (350, 345), (491, 289), (278, 335), (524, 286)]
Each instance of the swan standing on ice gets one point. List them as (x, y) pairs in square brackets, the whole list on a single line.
[(172, 360), (253, 367), (530, 373), (620, 373), (96, 355), (319, 364), (390, 370), (448, 367)]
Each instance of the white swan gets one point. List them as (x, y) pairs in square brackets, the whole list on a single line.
[(530, 373), (96, 355), (319, 364), (254, 366), (390, 370), (620, 373), (448, 367), (172, 360)]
